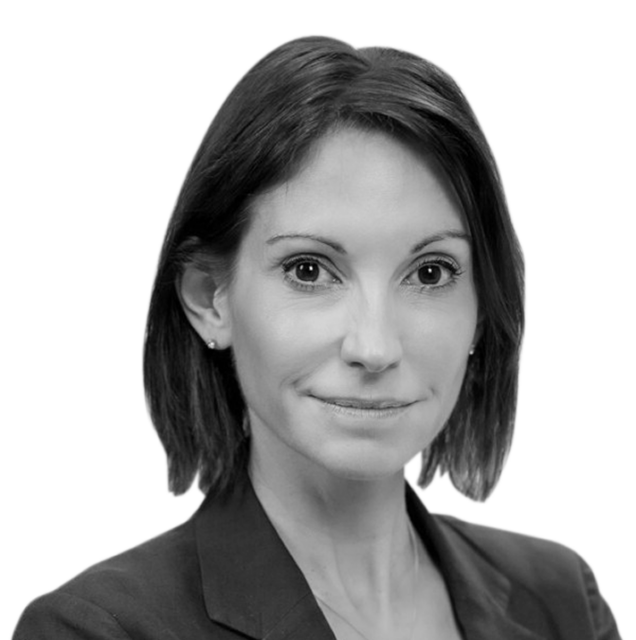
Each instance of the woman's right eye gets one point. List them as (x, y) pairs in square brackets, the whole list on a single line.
[(308, 273)]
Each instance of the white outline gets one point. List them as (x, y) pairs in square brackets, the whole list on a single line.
[(456, 504)]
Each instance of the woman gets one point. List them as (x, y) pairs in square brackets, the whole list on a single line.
[(340, 288)]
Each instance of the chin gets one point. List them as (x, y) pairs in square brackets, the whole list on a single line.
[(364, 463)]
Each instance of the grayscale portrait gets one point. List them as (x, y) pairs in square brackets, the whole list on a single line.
[(331, 310)]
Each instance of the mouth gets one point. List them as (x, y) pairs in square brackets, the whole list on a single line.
[(365, 403), (365, 409)]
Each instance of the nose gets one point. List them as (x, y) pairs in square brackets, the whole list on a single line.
[(372, 342)]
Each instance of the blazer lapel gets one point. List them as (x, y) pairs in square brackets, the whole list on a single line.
[(252, 584), (250, 581), (480, 593)]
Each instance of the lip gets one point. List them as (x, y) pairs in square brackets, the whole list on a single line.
[(364, 404)]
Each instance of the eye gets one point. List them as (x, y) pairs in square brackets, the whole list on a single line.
[(434, 273), (308, 273), (430, 274)]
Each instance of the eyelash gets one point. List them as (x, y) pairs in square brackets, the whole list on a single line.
[(288, 265)]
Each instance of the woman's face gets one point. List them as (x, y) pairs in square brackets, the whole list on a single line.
[(352, 309)]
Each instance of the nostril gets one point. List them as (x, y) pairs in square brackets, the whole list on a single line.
[(372, 340), (373, 356)]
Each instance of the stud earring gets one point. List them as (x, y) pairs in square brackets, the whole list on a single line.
[(212, 344)]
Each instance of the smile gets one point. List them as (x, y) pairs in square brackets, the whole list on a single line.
[(366, 403), (365, 407)]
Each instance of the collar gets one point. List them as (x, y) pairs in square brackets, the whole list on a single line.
[(480, 592), (252, 584)]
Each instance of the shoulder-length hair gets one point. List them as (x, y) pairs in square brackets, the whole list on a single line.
[(259, 139)]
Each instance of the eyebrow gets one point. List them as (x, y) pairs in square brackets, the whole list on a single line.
[(436, 237)]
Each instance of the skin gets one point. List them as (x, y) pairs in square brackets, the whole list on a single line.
[(351, 349)]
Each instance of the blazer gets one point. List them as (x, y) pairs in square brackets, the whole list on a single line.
[(225, 574)]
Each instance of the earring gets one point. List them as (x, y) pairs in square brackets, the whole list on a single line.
[(245, 425), (211, 345)]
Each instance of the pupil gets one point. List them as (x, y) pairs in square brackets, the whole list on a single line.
[(307, 272), (429, 274)]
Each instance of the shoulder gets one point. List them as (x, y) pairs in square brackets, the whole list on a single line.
[(133, 590), (163, 563), (519, 556)]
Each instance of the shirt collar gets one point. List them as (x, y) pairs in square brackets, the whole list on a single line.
[(252, 584)]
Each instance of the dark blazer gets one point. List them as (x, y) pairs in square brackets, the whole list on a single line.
[(226, 574)]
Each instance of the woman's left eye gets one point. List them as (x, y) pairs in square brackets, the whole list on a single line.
[(434, 274)]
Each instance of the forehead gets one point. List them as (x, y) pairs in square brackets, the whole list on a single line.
[(359, 183)]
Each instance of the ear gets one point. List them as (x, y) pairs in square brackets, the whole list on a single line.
[(205, 304)]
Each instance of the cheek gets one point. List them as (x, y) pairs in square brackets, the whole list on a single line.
[(440, 342), (275, 343)]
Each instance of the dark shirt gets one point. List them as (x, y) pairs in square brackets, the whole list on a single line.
[(225, 574)]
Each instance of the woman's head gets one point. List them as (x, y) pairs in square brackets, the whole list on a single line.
[(272, 128)]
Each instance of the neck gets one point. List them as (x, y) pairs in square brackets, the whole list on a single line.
[(349, 537)]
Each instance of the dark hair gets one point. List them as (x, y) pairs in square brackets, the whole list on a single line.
[(259, 139)]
